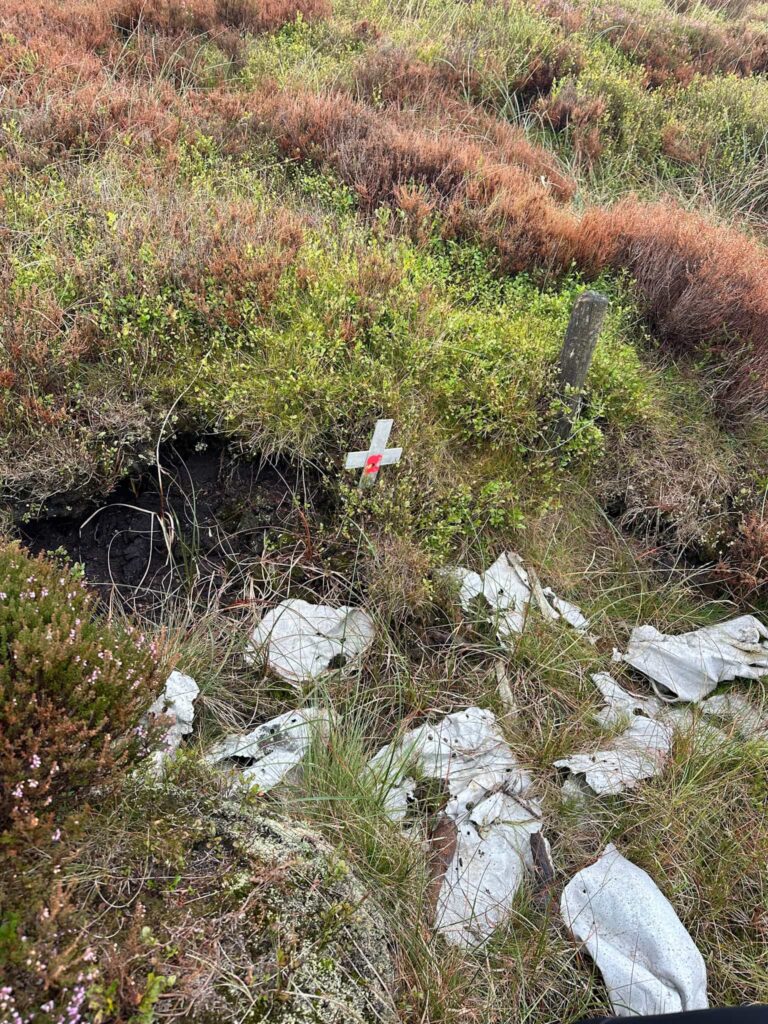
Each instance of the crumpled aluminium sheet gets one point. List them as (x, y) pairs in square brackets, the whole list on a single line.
[(750, 721), (492, 857), (641, 751), (491, 805), (620, 704), (300, 641), (177, 702), (553, 607), (273, 749), (463, 748), (692, 665), (506, 588), (571, 613), (648, 960), (638, 753), (509, 588)]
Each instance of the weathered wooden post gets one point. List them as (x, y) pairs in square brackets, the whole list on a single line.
[(578, 348)]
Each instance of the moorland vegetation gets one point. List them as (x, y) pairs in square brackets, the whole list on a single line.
[(264, 224)]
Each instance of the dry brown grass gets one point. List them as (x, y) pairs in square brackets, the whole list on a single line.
[(413, 139), (504, 204), (436, 97), (744, 568), (212, 16), (581, 114), (702, 286), (671, 47)]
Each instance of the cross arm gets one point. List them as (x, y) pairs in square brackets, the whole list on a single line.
[(357, 460)]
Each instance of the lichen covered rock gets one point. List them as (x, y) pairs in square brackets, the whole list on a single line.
[(217, 910), (333, 961)]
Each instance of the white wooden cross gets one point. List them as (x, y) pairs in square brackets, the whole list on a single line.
[(378, 455)]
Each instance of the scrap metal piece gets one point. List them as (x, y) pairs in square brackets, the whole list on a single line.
[(689, 722), (176, 702), (398, 798), (570, 613), (302, 641), (508, 588), (649, 962), (273, 749), (692, 665), (553, 607), (621, 705), (469, 582), (638, 753), (492, 856), (462, 748), (491, 807)]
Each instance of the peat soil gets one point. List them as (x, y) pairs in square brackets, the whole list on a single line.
[(203, 505)]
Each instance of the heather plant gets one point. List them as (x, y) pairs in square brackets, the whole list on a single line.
[(73, 690)]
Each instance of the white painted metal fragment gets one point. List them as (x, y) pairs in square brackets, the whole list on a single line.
[(491, 805), (301, 641), (692, 665), (553, 607), (508, 588), (638, 753), (687, 721), (648, 960), (547, 610), (273, 749), (470, 585), (177, 702), (462, 748), (505, 588), (570, 613), (621, 705), (492, 857)]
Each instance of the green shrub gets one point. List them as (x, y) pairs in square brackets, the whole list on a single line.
[(72, 691), (724, 120)]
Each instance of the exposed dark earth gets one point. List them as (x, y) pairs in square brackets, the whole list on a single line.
[(203, 504)]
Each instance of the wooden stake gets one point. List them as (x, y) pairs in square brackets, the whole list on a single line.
[(581, 337)]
